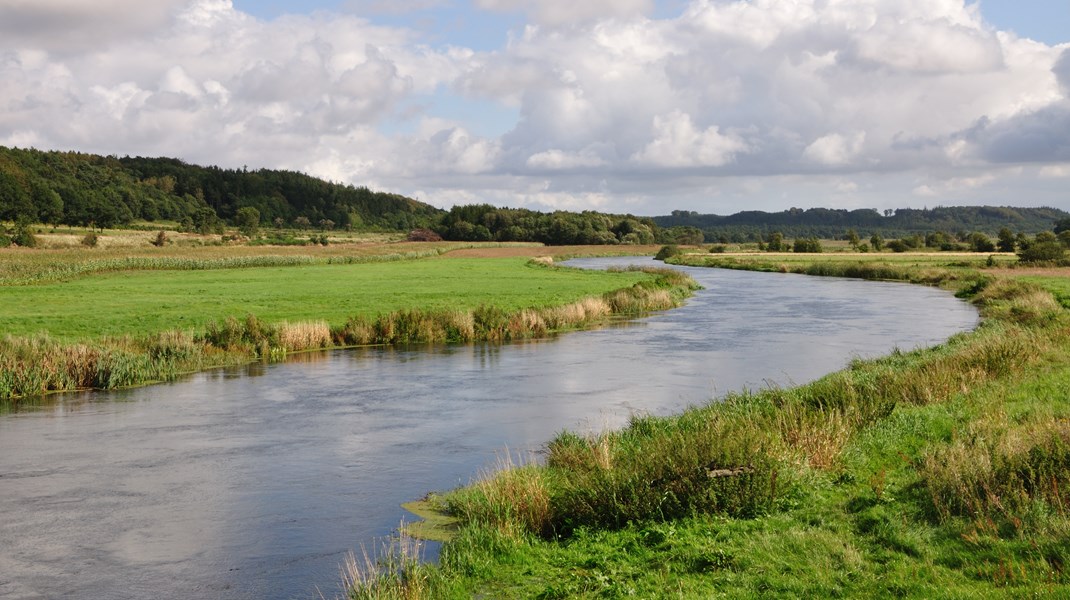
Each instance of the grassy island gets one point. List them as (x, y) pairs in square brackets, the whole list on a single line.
[(937, 473)]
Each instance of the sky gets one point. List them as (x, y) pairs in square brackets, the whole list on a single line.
[(637, 106)]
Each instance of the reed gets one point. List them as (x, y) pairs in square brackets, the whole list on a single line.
[(396, 570)]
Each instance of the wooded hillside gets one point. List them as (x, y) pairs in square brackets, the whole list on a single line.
[(73, 188), (750, 226)]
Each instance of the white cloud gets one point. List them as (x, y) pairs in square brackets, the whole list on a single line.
[(555, 159), (562, 12), (677, 143), (835, 149), (615, 108)]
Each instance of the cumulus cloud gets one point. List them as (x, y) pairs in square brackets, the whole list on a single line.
[(64, 26), (677, 143), (561, 12), (726, 102), (835, 149)]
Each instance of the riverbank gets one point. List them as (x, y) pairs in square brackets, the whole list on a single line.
[(934, 473), (132, 324)]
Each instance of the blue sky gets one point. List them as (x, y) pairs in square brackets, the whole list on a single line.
[(642, 106), (460, 23)]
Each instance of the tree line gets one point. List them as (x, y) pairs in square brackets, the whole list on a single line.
[(73, 188), (828, 223)]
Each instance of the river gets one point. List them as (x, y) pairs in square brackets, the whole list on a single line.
[(254, 482)]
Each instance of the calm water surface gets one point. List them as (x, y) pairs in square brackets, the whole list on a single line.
[(255, 482)]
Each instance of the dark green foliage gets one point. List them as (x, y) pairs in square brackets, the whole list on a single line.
[(1005, 241), (752, 226), (22, 234), (979, 242), (668, 252), (82, 189), (483, 222), (877, 242), (776, 242), (1042, 251), (248, 221), (807, 245)]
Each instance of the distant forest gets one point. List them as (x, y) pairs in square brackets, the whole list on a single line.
[(827, 223), (72, 188)]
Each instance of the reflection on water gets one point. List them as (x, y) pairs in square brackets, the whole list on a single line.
[(254, 482)]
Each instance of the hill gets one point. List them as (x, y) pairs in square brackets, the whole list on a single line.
[(73, 188), (749, 226)]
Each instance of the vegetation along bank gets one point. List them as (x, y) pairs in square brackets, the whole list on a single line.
[(935, 473), (135, 323)]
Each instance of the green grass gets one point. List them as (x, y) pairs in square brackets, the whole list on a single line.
[(1058, 286), (939, 473), (137, 302)]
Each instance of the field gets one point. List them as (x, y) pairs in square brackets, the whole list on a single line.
[(127, 302), (939, 473), (126, 313)]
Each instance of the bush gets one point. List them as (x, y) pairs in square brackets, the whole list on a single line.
[(668, 252), (5, 240), (898, 246), (718, 249), (23, 236), (161, 239), (1042, 252), (91, 239), (810, 244)]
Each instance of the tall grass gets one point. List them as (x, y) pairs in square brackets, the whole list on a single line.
[(744, 455)]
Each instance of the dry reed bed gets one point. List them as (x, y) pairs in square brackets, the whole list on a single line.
[(36, 365)]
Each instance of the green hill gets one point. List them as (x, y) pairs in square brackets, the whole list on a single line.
[(73, 188), (829, 223)]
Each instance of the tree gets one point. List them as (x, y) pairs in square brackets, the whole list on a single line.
[(1045, 248), (248, 221), (1062, 225), (776, 242), (877, 242), (853, 239), (1005, 240), (979, 242), (810, 244), (302, 222)]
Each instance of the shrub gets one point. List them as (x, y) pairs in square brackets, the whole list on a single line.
[(668, 251), (23, 235), (810, 244), (90, 240), (5, 240), (1042, 252), (160, 240)]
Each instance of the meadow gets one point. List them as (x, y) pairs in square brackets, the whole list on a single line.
[(117, 315), (937, 473)]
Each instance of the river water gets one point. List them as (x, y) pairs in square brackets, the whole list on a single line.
[(254, 482)]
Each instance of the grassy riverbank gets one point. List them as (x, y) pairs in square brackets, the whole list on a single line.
[(132, 323), (938, 473)]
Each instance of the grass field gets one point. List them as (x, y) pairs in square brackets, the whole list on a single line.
[(939, 473), (151, 301), (115, 316)]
